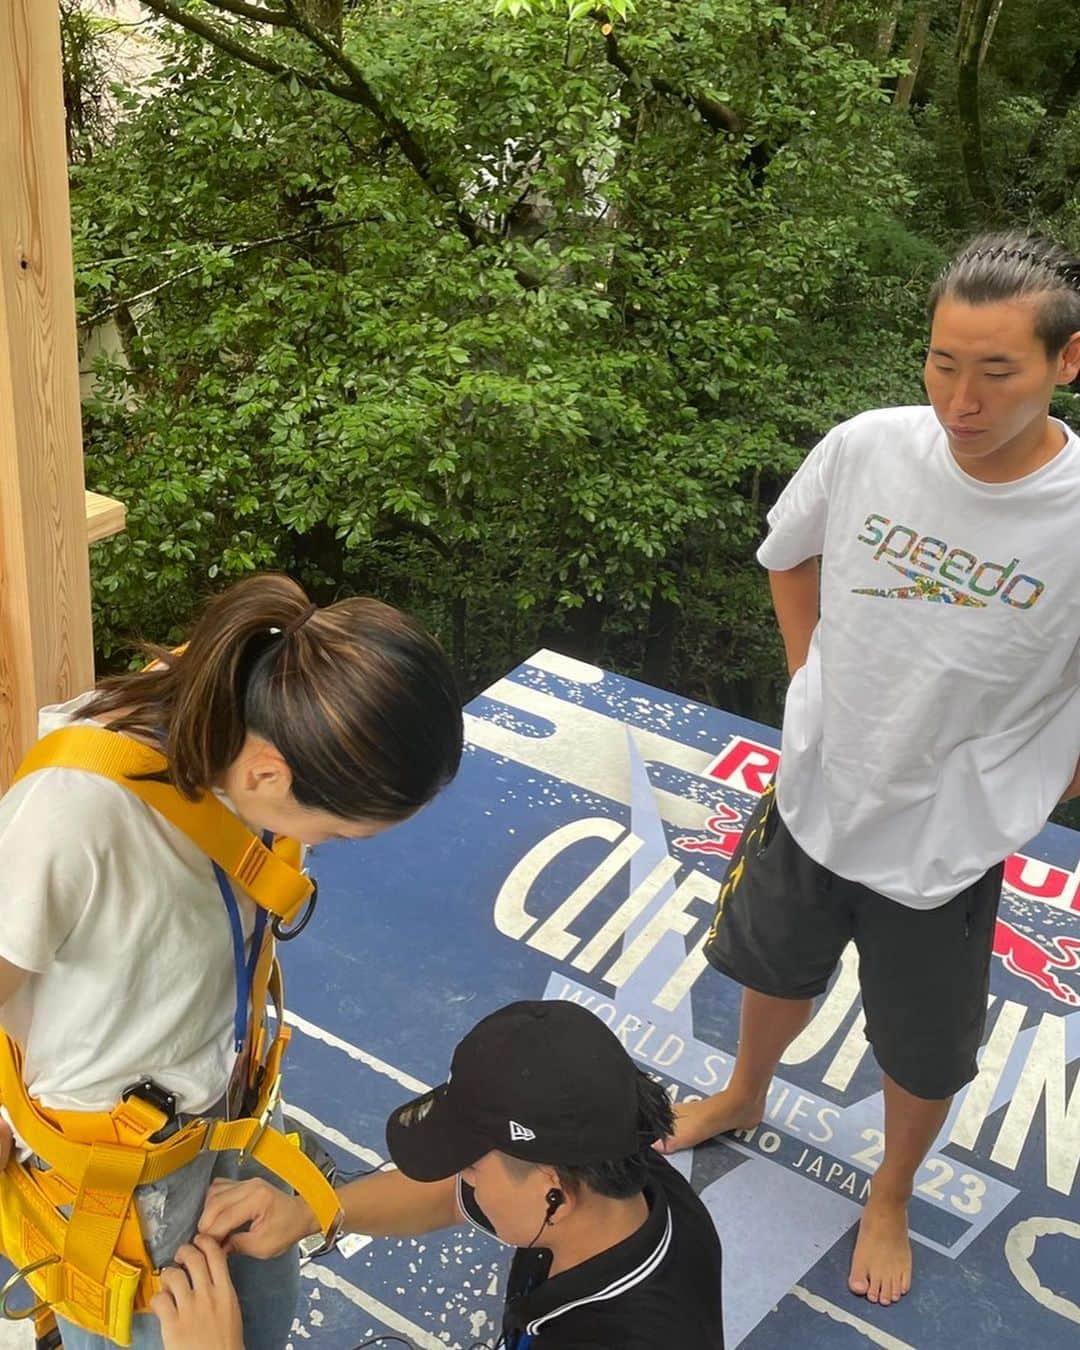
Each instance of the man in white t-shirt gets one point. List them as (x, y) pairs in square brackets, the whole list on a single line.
[(933, 717)]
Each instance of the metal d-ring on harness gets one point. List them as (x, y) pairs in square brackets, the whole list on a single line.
[(13, 1282), (287, 934)]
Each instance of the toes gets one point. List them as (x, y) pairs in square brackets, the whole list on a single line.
[(893, 1289)]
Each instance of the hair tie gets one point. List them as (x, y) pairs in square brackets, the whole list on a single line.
[(1068, 272), (299, 621)]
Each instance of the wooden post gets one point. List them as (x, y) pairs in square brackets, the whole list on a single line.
[(46, 651)]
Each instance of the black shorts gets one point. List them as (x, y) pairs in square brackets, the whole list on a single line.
[(782, 921)]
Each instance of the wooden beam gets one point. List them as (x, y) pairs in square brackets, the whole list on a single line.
[(105, 516), (46, 650)]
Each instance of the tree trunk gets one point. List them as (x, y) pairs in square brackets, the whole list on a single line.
[(1056, 110), (324, 14), (581, 633), (1055, 195), (459, 640), (969, 44), (913, 55), (886, 33), (1053, 198), (659, 640), (963, 19), (991, 24)]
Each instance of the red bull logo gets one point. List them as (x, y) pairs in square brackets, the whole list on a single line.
[(1038, 962), (746, 765), (725, 829)]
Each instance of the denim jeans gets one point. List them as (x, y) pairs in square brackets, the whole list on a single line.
[(169, 1211)]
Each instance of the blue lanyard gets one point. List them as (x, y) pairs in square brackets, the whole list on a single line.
[(244, 965)]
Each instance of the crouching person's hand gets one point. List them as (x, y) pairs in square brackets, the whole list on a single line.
[(254, 1218), (197, 1305)]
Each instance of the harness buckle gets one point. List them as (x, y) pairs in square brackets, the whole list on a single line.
[(146, 1090), (263, 1121)]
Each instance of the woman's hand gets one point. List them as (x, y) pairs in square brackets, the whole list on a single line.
[(197, 1305), (274, 1221)]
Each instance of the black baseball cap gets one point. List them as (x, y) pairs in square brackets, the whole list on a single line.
[(547, 1082)]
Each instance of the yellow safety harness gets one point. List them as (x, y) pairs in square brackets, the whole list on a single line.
[(93, 1267)]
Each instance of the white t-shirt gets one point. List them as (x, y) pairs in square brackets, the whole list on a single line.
[(936, 722), (120, 918)]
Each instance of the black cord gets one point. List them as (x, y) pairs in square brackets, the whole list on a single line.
[(400, 1340)]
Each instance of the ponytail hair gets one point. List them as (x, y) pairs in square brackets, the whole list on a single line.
[(1011, 265), (358, 698)]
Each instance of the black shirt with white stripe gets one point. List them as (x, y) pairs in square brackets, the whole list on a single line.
[(657, 1289)]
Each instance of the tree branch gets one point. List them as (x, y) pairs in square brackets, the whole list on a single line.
[(354, 89), (715, 114), (236, 249), (331, 50), (226, 43), (391, 526), (278, 17), (406, 142)]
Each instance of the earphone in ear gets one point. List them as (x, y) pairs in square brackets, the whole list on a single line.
[(555, 1200)]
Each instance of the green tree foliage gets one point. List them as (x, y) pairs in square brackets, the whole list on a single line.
[(517, 314)]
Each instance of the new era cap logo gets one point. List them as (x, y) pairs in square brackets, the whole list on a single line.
[(519, 1134)]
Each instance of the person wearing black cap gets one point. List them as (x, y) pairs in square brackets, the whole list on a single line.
[(542, 1135)]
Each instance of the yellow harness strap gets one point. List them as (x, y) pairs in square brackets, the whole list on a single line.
[(270, 879), (94, 1268)]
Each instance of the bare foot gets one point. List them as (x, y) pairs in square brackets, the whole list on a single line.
[(697, 1121), (881, 1264)]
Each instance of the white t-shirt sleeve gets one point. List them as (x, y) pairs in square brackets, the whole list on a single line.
[(47, 867), (797, 521)]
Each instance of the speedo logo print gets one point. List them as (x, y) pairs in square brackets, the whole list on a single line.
[(940, 574)]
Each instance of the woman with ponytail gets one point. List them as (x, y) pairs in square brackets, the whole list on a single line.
[(117, 965)]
